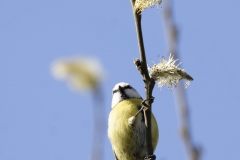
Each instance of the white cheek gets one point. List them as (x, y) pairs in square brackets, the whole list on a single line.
[(132, 93), (116, 98)]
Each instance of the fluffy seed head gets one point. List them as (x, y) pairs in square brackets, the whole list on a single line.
[(141, 5), (167, 73)]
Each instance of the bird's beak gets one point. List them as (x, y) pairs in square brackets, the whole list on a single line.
[(120, 89)]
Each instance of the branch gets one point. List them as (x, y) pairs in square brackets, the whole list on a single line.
[(99, 125), (172, 34), (149, 82)]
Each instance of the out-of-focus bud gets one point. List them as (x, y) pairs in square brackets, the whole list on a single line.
[(82, 73)]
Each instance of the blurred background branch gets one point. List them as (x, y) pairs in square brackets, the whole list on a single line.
[(99, 125), (172, 33), (85, 75)]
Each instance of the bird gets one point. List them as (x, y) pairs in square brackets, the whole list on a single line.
[(126, 124)]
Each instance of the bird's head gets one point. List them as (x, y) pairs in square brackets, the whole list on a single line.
[(122, 91)]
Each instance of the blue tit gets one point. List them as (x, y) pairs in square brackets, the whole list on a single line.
[(126, 125)]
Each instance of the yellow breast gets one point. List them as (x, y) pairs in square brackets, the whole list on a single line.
[(128, 141)]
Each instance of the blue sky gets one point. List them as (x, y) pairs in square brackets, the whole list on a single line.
[(40, 118)]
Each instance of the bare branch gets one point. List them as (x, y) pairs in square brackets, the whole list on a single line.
[(172, 35), (149, 83)]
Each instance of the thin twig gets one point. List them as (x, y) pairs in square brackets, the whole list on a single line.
[(172, 35), (149, 83)]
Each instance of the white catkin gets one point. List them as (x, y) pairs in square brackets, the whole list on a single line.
[(141, 5), (167, 73)]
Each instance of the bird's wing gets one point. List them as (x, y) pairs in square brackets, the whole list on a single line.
[(115, 155)]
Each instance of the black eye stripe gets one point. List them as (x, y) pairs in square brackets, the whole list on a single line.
[(127, 87), (115, 91)]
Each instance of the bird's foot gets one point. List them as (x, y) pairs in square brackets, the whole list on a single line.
[(150, 100), (150, 157)]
